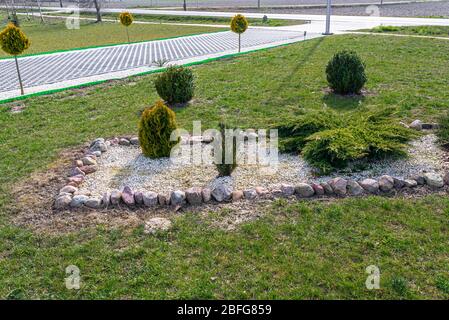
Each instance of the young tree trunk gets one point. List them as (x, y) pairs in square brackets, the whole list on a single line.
[(127, 33), (185, 5), (40, 11), (98, 10), (258, 4), (240, 43), (60, 3), (20, 78)]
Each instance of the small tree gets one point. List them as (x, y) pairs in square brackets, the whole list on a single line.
[(126, 19), (225, 168), (13, 41), (239, 25)]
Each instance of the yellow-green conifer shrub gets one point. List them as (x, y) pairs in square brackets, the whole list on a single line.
[(126, 19), (155, 128), (239, 24), (14, 42)]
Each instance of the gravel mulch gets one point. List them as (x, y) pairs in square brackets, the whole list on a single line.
[(125, 166)]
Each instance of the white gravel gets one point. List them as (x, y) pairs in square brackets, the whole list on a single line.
[(125, 165)]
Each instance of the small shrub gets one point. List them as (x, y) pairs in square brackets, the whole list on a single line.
[(176, 85), (155, 128), (225, 169), (443, 131), (346, 73)]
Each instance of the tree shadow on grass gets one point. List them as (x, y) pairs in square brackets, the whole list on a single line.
[(300, 64), (342, 103)]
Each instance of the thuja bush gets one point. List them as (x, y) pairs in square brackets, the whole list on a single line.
[(346, 73), (176, 85), (335, 140), (224, 167), (155, 128)]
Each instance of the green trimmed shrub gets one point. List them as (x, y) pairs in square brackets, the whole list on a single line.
[(176, 85), (443, 131), (346, 73), (155, 128), (225, 169)]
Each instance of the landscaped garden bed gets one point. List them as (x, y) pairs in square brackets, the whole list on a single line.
[(291, 248)]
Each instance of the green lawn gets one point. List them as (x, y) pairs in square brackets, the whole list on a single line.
[(53, 35), (195, 20), (434, 31), (299, 250)]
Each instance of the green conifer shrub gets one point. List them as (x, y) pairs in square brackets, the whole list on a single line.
[(155, 128), (346, 73), (176, 85)]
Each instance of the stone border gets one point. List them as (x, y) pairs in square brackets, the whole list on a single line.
[(337, 187)]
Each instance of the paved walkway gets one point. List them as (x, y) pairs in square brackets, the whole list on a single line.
[(73, 68), (66, 69)]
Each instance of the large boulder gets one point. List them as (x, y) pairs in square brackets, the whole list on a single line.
[(417, 125), (177, 198), (250, 194), (410, 183), (93, 203), (78, 201), (138, 197), (115, 198), (327, 188), (370, 185), (222, 192), (194, 196), (128, 196), (386, 183), (150, 199), (287, 190), (63, 201), (237, 195), (318, 188), (339, 186), (399, 183), (68, 189), (354, 189), (434, 180), (89, 161), (207, 195), (304, 190)]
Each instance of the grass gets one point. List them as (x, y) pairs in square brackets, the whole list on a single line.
[(53, 35), (194, 20), (434, 31), (299, 250)]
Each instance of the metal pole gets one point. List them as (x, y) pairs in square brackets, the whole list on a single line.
[(328, 18)]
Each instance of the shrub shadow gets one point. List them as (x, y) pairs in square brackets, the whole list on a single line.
[(343, 102)]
